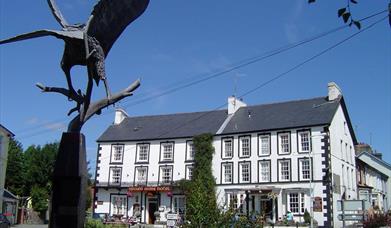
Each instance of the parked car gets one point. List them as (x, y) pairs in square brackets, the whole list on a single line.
[(4, 222)]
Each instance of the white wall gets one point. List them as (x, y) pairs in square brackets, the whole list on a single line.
[(4, 141)]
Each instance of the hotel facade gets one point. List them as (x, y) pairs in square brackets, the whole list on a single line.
[(270, 158)]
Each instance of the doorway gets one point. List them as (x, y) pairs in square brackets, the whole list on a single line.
[(266, 207), (152, 208)]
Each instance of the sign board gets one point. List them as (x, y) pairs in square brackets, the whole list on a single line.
[(318, 205), (149, 189), (351, 205), (351, 217), (171, 223), (171, 216)]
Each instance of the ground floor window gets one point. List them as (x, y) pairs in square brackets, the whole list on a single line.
[(118, 205), (179, 204), (296, 202)]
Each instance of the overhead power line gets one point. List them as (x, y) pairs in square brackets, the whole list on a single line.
[(241, 64)]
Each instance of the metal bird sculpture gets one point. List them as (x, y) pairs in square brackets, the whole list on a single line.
[(88, 44)]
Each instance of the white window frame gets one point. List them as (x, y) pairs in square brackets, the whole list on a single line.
[(301, 202), (264, 145), (264, 172), (189, 172), (117, 153), (247, 177), (280, 174), (162, 179), (224, 175), (190, 151), (227, 153), (140, 150), (284, 145), (115, 180), (304, 141), (137, 175), (302, 170), (244, 146), (176, 208), (165, 154), (118, 204)]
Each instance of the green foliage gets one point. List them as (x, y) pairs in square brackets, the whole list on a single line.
[(91, 223), (307, 217), (39, 198), (15, 177), (201, 206)]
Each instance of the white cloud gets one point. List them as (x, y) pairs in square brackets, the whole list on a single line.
[(56, 126)]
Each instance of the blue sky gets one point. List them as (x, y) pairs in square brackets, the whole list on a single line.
[(178, 41)]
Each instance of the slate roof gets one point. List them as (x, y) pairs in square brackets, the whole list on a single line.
[(180, 125), (291, 114)]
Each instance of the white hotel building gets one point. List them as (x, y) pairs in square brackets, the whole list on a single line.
[(267, 158)]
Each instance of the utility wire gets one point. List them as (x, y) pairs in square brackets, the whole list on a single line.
[(244, 63)]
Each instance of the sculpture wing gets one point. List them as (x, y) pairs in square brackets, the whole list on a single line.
[(57, 13), (109, 19), (39, 33)]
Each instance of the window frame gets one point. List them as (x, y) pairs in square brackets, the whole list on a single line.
[(173, 203), (161, 154), (112, 161), (299, 141), (125, 207), (240, 146), (136, 182), (137, 160), (300, 168), (187, 152), (279, 145), (279, 169), (260, 144), (187, 168), (222, 172), (259, 171), (240, 177), (160, 182), (110, 181), (223, 139), (301, 202)]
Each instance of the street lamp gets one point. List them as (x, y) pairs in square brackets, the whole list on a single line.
[(311, 176)]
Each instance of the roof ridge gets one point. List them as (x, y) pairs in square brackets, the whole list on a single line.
[(175, 114), (284, 102)]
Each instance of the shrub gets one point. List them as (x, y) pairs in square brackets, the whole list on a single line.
[(91, 223), (307, 217), (377, 220)]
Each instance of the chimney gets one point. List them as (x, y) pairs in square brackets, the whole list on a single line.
[(234, 104), (334, 91), (120, 115)]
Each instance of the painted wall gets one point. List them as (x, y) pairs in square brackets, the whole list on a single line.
[(4, 141)]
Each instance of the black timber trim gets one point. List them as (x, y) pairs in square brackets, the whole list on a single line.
[(259, 145), (96, 177), (239, 167), (290, 170), (328, 213), (221, 172), (223, 148), (173, 152), (298, 141), (239, 145), (186, 151), (122, 156), (273, 182), (278, 142), (136, 161), (270, 170), (135, 173)]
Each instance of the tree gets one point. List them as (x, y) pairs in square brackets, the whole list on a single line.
[(345, 13), (40, 199), (201, 206), (15, 179)]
